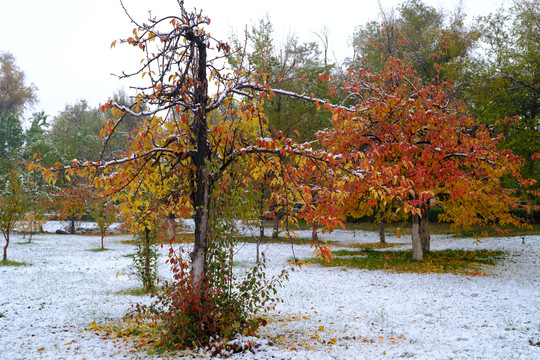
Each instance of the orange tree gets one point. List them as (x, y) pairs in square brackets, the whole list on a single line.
[(102, 210), (184, 154), (426, 146)]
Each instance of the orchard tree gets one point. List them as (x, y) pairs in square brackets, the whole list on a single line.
[(184, 154), (427, 147), (69, 201), (103, 211)]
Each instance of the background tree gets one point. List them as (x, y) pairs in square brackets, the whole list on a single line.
[(103, 212), (506, 83), (69, 202), (436, 44), (13, 204), (74, 133), (15, 95), (11, 140)]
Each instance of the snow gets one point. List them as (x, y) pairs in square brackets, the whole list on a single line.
[(46, 306)]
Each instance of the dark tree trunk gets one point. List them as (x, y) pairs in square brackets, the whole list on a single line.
[(202, 191), (72, 225), (416, 241), (147, 276), (381, 232), (424, 231), (6, 247), (261, 224), (314, 234)]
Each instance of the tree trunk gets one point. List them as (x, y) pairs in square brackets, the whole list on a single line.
[(147, 276), (261, 224), (416, 241), (5, 247), (314, 235), (102, 236), (424, 231), (381, 232), (530, 211), (171, 228), (202, 191), (72, 226), (275, 232)]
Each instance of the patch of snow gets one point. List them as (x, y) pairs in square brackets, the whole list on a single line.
[(46, 306)]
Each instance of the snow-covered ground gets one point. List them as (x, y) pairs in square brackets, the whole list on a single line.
[(327, 313)]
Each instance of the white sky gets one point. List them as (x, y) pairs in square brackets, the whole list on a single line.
[(63, 46)]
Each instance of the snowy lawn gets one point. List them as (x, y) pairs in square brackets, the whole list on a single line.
[(327, 313)]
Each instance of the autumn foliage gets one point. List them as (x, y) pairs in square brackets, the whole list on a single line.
[(410, 143)]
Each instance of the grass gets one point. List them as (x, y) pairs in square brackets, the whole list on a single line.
[(135, 292), (98, 250), (278, 240), (462, 262), (11, 263), (371, 246), (446, 229), (182, 238)]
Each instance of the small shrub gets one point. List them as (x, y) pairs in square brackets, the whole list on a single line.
[(145, 258), (221, 307)]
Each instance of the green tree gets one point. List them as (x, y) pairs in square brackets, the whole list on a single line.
[(13, 204), (435, 43), (74, 133), (507, 84), (15, 95), (296, 67), (11, 138)]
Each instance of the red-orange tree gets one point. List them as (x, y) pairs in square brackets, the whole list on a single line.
[(421, 144)]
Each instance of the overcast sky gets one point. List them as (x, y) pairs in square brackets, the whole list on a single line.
[(63, 46)]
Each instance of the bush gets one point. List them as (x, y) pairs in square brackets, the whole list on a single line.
[(145, 258), (221, 307)]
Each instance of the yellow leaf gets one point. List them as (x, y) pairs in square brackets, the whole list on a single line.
[(321, 328), (41, 349), (333, 341)]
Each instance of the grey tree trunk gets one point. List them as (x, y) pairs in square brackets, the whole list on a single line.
[(201, 158), (382, 237), (275, 231), (171, 227), (424, 231), (416, 240)]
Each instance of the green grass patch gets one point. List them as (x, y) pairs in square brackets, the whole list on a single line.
[(98, 250), (135, 292), (462, 262), (501, 231), (439, 228), (183, 238), (278, 240), (11, 263), (371, 246)]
